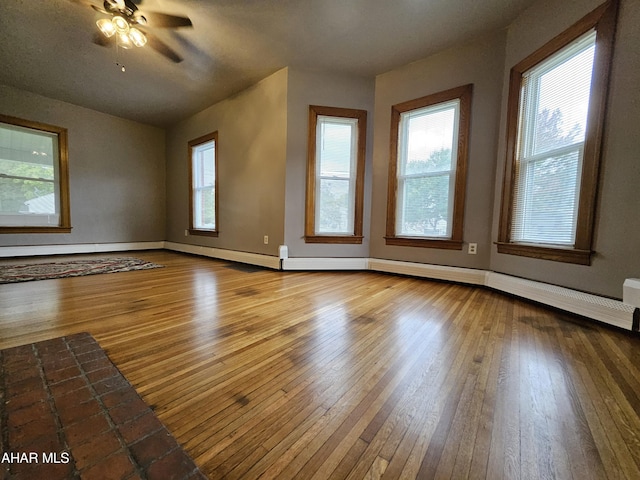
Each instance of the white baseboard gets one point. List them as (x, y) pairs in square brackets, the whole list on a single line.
[(230, 255), (437, 272), (325, 264), (37, 250)]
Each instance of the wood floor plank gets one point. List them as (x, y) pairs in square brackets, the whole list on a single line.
[(352, 375), (488, 387)]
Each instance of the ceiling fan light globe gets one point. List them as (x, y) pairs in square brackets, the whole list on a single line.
[(120, 24), (106, 27), (138, 38), (124, 41)]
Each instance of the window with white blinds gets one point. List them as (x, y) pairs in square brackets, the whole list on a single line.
[(203, 185), (335, 175), (555, 124), (336, 153), (554, 103)]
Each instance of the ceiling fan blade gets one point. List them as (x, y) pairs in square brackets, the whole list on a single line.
[(100, 10), (162, 48), (163, 20), (81, 2), (87, 3)]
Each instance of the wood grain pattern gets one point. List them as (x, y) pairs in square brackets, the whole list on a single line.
[(352, 375)]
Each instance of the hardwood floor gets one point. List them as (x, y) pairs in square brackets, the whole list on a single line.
[(354, 375)]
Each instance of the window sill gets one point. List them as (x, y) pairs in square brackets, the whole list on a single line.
[(204, 233), (336, 239), (34, 229), (553, 253), (445, 243)]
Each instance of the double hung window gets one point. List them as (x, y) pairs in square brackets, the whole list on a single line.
[(335, 175), (427, 170), (550, 148), (555, 117), (34, 185), (204, 185)]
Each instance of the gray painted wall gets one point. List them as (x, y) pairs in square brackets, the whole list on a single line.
[(313, 88), (617, 227), (480, 63), (251, 168), (116, 173), (117, 168)]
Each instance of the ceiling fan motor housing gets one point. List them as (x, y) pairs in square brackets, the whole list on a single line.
[(126, 8)]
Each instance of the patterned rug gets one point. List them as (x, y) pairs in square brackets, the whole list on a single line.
[(73, 268), (66, 412)]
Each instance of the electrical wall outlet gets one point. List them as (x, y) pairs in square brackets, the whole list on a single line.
[(266, 240), (186, 233), (473, 248)]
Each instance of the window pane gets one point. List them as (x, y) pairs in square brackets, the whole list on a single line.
[(204, 180), (553, 117), (428, 135), (28, 177), (425, 207), (546, 212), (336, 146), (335, 175), (557, 98), (426, 169), (335, 214)]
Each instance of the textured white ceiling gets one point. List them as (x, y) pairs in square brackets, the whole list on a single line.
[(46, 47)]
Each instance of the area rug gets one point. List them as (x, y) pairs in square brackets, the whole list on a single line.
[(73, 268), (66, 412)]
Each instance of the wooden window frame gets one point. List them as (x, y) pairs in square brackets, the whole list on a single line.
[(603, 20), (455, 242), (63, 177), (192, 144), (310, 212)]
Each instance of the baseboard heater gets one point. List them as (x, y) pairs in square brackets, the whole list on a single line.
[(606, 310), (613, 312)]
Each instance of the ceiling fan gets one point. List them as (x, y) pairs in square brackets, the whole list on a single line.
[(128, 26)]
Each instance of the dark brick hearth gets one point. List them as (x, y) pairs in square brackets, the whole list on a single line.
[(66, 412)]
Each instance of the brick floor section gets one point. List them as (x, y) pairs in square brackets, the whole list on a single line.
[(66, 412)]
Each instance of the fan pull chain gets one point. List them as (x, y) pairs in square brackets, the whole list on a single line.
[(121, 66)]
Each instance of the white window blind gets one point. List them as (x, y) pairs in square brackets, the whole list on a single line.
[(204, 181), (336, 154), (554, 102), (427, 158)]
